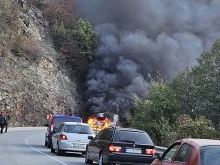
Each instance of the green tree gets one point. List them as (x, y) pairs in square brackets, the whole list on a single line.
[(186, 95), (197, 128), (86, 38), (194, 92), (198, 89), (206, 76), (158, 114)]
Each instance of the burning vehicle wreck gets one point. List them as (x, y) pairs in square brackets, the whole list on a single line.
[(101, 121)]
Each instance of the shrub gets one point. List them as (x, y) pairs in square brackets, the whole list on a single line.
[(8, 22), (197, 128), (61, 11), (157, 126), (17, 51)]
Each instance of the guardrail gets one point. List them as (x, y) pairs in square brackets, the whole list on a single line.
[(160, 149)]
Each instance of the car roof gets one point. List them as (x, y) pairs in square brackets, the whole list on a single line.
[(130, 129), (65, 116), (202, 142), (76, 123)]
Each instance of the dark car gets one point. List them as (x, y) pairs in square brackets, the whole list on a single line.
[(53, 124), (191, 152), (120, 146)]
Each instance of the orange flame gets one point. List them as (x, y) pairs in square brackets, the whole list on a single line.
[(98, 123)]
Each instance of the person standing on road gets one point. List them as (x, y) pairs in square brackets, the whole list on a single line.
[(7, 118), (2, 122)]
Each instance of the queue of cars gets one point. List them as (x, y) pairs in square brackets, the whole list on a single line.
[(114, 145)]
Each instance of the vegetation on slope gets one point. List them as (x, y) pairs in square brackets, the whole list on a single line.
[(187, 107)]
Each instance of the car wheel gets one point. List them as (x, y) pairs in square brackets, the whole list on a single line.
[(58, 151), (101, 160), (52, 149), (87, 160)]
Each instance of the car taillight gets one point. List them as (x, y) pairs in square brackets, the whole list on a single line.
[(113, 148), (52, 125), (150, 151), (63, 137)]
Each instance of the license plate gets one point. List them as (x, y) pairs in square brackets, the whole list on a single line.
[(79, 145), (134, 151)]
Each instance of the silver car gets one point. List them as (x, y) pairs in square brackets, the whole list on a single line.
[(71, 137)]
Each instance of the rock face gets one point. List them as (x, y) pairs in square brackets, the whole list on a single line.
[(33, 86)]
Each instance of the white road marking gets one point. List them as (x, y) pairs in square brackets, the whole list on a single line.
[(26, 141)]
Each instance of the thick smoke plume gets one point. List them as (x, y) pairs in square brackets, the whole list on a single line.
[(141, 37)]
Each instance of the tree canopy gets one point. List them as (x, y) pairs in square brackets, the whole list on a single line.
[(194, 93), (86, 37)]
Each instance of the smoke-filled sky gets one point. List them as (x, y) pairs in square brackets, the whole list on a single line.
[(141, 37)]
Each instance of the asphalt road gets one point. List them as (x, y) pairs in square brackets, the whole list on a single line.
[(25, 146)]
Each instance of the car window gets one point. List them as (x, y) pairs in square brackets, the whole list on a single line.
[(210, 155), (134, 136), (106, 135), (98, 135), (184, 153), (58, 121), (60, 128), (168, 155), (81, 129)]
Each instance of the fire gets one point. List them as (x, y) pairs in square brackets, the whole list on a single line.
[(98, 123)]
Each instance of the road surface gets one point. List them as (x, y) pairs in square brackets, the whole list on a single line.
[(25, 146)]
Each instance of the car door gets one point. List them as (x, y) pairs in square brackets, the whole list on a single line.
[(91, 146), (168, 155), (103, 142), (97, 144), (56, 135)]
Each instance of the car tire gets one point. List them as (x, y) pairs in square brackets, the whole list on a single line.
[(58, 151), (52, 149), (87, 160), (101, 160)]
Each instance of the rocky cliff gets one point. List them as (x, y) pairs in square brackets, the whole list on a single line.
[(34, 83)]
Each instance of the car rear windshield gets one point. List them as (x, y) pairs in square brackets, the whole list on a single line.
[(210, 155), (81, 129), (132, 136), (58, 121)]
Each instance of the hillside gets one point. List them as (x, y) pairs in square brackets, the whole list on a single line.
[(34, 78)]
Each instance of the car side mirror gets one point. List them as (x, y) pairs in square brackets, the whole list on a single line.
[(46, 125), (158, 156), (90, 137)]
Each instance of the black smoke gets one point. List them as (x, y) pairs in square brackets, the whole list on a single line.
[(142, 37)]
